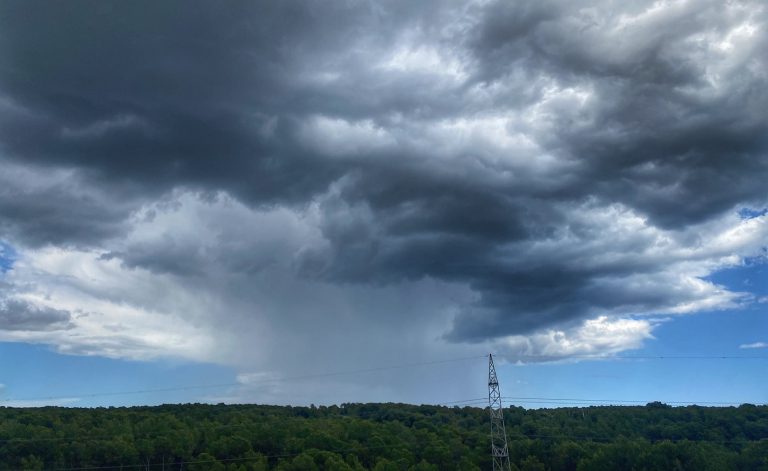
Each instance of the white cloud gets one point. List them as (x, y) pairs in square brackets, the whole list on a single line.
[(209, 279), (424, 59), (116, 312), (671, 266), (336, 137), (754, 345), (599, 337)]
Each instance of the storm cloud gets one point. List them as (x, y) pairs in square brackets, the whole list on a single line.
[(519, 168)]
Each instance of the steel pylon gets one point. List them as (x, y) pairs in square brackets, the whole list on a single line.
[(499, 449)]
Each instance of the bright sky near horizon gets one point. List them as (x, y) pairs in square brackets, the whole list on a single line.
[(197, 203)]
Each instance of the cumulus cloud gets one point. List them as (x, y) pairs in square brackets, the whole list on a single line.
[(435, 178), (594, 338), (206, 278), (87, 306)]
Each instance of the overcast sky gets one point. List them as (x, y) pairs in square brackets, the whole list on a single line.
[(243, 191)]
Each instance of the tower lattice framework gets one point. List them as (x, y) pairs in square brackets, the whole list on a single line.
[(499, 449)]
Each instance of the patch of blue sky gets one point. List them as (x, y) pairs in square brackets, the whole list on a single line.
[(38, 375), (8, 256), (750, 213), (751, 277)]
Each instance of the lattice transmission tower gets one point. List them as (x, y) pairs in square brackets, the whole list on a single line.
[(499, 450)]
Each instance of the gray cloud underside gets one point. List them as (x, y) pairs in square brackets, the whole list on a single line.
[(291, 104), (18, 315)]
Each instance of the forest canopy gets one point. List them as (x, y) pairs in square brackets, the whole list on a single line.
[(382, 437)]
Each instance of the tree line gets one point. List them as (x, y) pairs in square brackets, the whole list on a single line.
[(382, 437)]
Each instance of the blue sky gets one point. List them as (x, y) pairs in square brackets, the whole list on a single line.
[(7, 256)]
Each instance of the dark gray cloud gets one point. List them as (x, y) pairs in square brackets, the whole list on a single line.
[(509, 147), (673, 131), (17, 315), (40, 206)]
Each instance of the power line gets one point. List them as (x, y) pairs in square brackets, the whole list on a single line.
[(574, 402), (374, 369), (466, 402), (478, 399), (629, 401), (234, 384), (638, 357)]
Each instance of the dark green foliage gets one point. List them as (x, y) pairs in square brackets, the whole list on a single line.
[(383, 437)]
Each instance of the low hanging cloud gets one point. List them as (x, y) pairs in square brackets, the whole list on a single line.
[(538, 177), (209, 279)]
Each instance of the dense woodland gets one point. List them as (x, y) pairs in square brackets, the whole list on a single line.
[(382, 437)]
